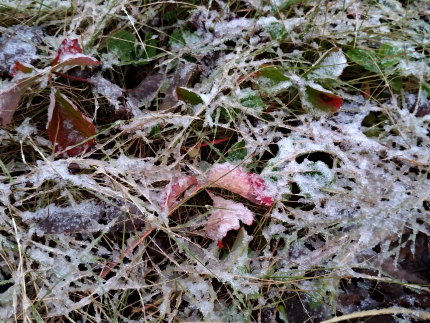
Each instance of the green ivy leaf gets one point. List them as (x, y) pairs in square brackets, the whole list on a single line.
[(251, 99), (121, 43), (365, 58), (389, 55)]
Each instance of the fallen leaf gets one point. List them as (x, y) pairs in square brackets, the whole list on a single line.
[(11, 96), (148, 88), (181, 78), (21, 68), (175, 189), (324, 101), (70, 53), (67, 126), (225, 216), (239, 181)]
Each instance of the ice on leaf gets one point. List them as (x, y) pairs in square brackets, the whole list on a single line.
[(188, 95), (323, 100), (10, 98), (175, 189), (19, 44), (233, 178), (70, 53), (330, 66), (225, 216), (21, 68), (67, 126)]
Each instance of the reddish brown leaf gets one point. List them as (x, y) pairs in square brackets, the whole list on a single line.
[(324, 101), (10, 98), (19, 67), (239, 181), (225, 216), (70, 53), (175, 189), (67, 126)]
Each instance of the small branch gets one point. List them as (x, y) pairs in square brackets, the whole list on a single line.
[(75, 78)]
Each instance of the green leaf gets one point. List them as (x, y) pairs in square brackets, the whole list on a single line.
[(273, 73), (287, 3), (365, 58), (188, 96), (122, 44), (389, 55), (396, 84), (329, 66), (237, 152), (276, 30), (150, 49), (251, 99), (176, 38)]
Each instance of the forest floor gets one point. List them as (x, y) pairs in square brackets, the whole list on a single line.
[(234, 161)]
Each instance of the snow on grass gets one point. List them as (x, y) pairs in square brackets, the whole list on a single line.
[(320, 191)]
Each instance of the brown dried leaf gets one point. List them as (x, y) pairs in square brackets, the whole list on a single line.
[(148, 87)]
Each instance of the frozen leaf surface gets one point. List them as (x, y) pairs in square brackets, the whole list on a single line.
[(109, 90), (225, 216), (67, 126), (19, 44), (331, 65), (10, 98), (239, 181), (70, 53), (323, 100), (175, 189)]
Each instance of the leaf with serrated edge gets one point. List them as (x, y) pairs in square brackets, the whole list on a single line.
[(225, 216)]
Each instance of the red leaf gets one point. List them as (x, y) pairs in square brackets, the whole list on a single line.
[(237, 180), (10, 98), (19, 67), (325, 101), (175, 189), (70, 53), (67, 126)]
